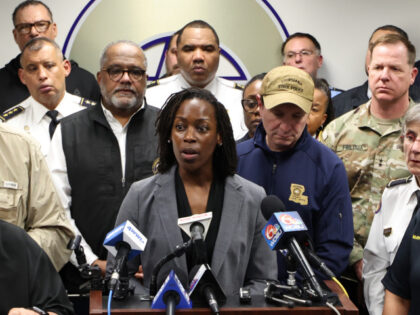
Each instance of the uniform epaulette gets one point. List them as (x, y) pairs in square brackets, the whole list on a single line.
[(12, 113), (400, 181), (153, 83), (86, 102), (238, 86)]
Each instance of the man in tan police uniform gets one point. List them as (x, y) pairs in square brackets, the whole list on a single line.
[(28, 198)]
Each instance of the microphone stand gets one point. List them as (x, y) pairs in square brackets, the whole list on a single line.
[(179, 250), (90, 273)]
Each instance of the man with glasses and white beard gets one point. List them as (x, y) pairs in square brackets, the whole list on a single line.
[(96, 154)]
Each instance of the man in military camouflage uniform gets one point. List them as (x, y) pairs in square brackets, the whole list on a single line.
[(366, 139)]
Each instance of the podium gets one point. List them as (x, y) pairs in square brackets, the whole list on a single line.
[(133, 305)]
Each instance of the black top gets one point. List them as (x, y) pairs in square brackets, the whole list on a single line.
[(93, 162), (214, 205), (403, 277), (27, 276), (12, 91)]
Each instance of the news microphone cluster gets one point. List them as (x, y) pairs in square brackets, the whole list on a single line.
[(282, 231)]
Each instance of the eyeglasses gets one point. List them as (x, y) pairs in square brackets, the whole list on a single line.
[(116, 73), (303, 53), (40, 26), (250, 105)]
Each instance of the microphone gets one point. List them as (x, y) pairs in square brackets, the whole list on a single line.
[(196, 226), (124, 242), (171, 295), (320, 265), (281, 231), (204, 287)]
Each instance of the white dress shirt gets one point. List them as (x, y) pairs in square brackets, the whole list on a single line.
[(34, 121), (224, 91), (386, 232)]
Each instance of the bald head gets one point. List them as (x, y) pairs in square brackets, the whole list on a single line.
[(122, 78)]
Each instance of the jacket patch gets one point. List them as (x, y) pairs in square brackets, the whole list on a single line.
[(387, 231), (296, 194)]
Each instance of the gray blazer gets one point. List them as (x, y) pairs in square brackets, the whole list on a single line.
[(241, 256)]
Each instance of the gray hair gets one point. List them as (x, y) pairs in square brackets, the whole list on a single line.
[(411, 116), (104, 56)]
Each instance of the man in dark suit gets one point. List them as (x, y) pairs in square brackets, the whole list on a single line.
[(34, 19), (359, 95)]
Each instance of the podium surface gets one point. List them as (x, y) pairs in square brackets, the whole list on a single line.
[(133, 305)]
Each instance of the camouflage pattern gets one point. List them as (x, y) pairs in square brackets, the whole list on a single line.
[(370, 149)]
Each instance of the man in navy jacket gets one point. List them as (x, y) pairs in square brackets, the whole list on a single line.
[(307, 176)]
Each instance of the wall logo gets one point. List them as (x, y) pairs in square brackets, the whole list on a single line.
[(251, 32)]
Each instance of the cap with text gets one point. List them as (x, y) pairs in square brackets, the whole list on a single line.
[(287, 84)]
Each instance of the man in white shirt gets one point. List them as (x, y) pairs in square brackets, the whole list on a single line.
[(98, 153), (44, 73), (198, 55)]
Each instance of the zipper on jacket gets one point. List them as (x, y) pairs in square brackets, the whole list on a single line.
[(274, 169)]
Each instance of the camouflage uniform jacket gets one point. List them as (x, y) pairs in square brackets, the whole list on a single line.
[(372, 157)]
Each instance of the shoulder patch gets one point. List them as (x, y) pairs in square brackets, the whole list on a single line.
[(238, 86), (12, 113), (86, 103), (399, 181), (153, 83)]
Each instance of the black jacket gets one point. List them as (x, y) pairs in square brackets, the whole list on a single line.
[(94, 167)]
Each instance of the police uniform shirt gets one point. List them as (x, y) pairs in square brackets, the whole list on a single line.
[(31, 117), (28, 197), (56, 161), (227, 92), (403, 277), (388, 227)]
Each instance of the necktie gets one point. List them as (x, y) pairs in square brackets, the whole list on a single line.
[(54, 122), (418, 203)]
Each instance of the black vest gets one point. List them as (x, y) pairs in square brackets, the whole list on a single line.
[(94, 167)]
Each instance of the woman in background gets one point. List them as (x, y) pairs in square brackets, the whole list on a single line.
[(322, 111)]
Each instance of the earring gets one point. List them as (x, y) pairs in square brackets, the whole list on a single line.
[(220, 144), (169, 140)]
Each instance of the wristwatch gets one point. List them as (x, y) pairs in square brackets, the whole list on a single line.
[(38, 310)]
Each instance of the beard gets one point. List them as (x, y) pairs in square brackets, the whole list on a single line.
[(122, 102)]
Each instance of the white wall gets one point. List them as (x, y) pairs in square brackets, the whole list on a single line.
[(341, 26)]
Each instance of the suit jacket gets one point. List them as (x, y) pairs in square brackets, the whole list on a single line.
[(240, 255), (349, 100)]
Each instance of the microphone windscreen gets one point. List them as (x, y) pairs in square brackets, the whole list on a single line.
[(163, 274), (270, 205)]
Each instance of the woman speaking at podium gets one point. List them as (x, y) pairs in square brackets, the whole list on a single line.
[(196, 174)]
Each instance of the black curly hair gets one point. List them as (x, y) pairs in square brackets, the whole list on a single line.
[(224, 157)]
